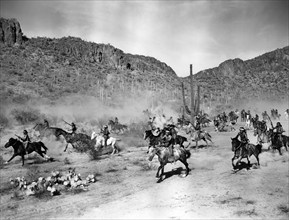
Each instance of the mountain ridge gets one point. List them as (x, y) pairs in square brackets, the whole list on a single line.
[(53, 67)]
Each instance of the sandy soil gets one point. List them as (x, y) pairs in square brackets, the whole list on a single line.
[(126, 186)]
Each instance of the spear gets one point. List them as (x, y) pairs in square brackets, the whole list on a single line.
[(66, 122)]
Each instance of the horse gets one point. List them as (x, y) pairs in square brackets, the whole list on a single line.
[(100, 142), (72, 139), (164, 156), (247, 151), (277, 144), (286, 113), (153, 139), (198, 136), (19, 149), (117, 126), (262, 136), (248, 122)]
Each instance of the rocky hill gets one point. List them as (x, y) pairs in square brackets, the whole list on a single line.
[(265, 77), (52, 68)]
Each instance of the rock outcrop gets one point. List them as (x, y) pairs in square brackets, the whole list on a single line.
[(10, 31)]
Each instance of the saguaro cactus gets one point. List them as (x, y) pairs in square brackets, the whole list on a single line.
[(195, 104)]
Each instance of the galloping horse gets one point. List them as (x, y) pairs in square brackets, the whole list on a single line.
[(248, 151), (277, 144), (19, 149), (100, 142), (156, 140), (164, 156), (74, 138), (262, 136), (153, 139), (116, 126), (196, 136), (248, 122)]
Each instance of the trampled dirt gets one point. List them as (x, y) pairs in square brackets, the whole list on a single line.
[(126, 186)]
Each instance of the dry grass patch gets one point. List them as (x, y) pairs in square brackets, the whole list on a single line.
[(251, 212), (283, 209)]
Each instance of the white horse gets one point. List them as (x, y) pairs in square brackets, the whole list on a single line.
[(248, 122), (286, 113), (100, 142)]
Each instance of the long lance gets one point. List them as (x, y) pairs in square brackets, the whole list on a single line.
[(66, 122)]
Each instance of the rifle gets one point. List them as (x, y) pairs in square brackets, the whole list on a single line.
[(66, 122), (17, 136)]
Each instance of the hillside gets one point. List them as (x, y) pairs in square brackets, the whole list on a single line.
[(50, 68), (265, 77), (53, 68)]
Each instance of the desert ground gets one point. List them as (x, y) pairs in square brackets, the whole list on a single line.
[(126, 187)]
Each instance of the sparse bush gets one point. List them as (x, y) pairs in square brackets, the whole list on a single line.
[(17, 195), (283, 208), (32, 173), (20, 98), (66, 161), (4, 122), (26, 115), (93, 154)]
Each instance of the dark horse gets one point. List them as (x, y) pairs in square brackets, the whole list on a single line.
[(248, 151), (156, 140), (164, 156), (73, 139), (117, 127), (276, 142), (19, 149)]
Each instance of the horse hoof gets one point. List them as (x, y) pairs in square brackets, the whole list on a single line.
[(6, 162)]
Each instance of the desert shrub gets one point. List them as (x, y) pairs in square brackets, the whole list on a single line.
[(283, 208), (26, 115), (33, 173), (66, 161), (20, 98), (4, 122), (1, 162), (93, 154)]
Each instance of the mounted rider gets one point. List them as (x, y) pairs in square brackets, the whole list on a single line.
[(265, 115), (46, 124), (243, 139), (172, 131), (278, 130), (25, 140), (105, 132), (263, 126), (256, 117), (168, 142), (73, 128), (198, 128)]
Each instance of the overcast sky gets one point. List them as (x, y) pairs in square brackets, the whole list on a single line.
[(179, 33)]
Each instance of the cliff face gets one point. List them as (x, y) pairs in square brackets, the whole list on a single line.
[(10, 31)]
